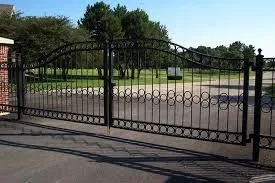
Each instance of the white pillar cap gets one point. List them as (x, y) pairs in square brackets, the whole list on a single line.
[(6, 41)]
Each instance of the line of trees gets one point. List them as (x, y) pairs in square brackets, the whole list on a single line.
[(35, 36), (236, 50)]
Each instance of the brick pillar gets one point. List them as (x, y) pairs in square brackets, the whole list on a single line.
[(4, 92), (4, 75)]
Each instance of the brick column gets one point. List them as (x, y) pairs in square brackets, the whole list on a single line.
[(4, 92)]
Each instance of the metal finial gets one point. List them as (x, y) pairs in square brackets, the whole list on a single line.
[(260, 51)]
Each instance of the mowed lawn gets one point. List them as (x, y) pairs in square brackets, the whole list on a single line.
[(88, 78)]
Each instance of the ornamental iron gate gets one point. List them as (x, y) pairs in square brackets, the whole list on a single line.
[(148, 85), (264, 114), (197, 103), (64, 84)]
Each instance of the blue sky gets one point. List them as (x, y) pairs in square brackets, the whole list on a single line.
[(189, 22)]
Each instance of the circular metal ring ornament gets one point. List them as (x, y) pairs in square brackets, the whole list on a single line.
[(187, 95)]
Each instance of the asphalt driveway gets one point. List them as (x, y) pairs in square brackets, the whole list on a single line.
[(44, 150)]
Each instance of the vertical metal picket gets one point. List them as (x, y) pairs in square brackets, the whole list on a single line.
[(106, 85), (257, 107), (245, 100), (19, 86), (111, 85)]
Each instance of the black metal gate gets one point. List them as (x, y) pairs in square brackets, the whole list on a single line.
[(264, 114), (151, 86), (65, 84), (202, 97)]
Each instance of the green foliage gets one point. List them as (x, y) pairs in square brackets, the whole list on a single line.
[(101, 22), (120, 11), (136, 24), (205, 50), (105, 23), (237, 50), (8, 25), (221, 51), (36, 36)]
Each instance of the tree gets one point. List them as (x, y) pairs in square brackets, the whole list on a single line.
[(239, 50), (249, 52), (120, 11), (236, 50), (8, 24), (101, 22), (157, 31), (37, 36), (221, 51), (105, 23), (135, 24), (205, 50)]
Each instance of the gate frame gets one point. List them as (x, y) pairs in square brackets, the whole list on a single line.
[(108, 87), (108, 47), (257, 105), (257, 136)]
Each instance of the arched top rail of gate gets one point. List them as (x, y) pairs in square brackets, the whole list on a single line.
[(63, 50), (197, 59), (191, 56)]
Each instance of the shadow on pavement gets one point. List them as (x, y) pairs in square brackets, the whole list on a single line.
[(191, 166)]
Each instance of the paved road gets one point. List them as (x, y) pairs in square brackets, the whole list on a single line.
[(60, 151)]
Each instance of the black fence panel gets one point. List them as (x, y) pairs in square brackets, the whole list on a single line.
[(161, 87), (67, 84), (267, 128)]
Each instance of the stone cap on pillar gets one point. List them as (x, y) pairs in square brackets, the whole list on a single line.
[(6, 41), (5, 44)]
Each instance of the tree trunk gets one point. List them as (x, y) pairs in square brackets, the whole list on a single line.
[(133, 73), (157, 73), (54, 70), (121, 72), (39, 74), (64, 74), (45, 70), (64, 71), (127, 71), (99, 72), (139, 70)]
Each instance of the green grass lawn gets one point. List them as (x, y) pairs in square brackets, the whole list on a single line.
[(83, 78)]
